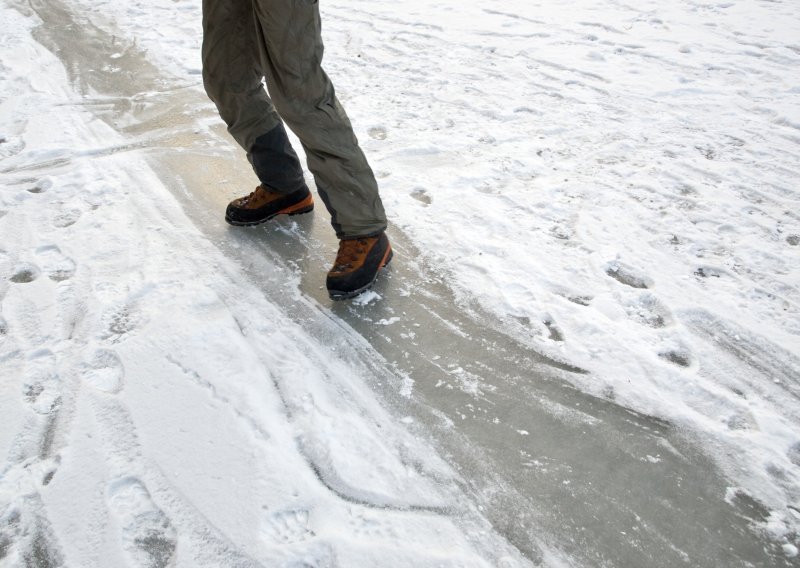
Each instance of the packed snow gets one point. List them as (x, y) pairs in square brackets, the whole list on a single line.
[(613, 185)]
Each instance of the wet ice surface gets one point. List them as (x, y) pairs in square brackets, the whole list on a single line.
[(482, 350)]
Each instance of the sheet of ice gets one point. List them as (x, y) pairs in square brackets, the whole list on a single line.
[(156, 409)]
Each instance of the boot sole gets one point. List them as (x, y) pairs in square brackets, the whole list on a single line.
[(305, 206), (339, 295)]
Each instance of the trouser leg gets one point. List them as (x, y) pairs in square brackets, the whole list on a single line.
[(232, 78), (290, 42), (275, 162)]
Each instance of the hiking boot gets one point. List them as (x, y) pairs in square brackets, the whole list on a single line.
[(357, 265), (265, 203)]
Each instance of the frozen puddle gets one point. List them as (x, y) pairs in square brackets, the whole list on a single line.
[(565, 477)]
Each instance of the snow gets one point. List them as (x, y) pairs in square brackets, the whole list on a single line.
[(615, 185)]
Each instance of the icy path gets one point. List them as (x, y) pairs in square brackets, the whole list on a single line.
[(553, 468)]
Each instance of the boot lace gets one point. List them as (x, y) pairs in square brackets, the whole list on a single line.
[(243, 201), (350, 251), (249, 198)]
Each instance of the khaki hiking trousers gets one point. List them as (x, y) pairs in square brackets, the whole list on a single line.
[(246, 41)]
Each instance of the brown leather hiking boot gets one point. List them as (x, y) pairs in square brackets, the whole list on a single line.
[(357, 265), (265, 203)]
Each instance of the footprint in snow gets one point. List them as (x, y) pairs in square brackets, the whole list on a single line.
[(103, 370), (377, 133), (709, 272), (41, 387), (288, 526), (10, 146), (367, 525), (120, 320), (680, 357), (422, 196), (648, 310), (555, 331), (57, 266), (25, 273), (580, 299), (707, 152), (741, 420), (562, 232), (66, 218), (628, 275), (50, 472), (148, 536), (41, 186)]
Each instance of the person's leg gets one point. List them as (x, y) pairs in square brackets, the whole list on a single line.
[(232, 78), (291, 48), (275, 162)]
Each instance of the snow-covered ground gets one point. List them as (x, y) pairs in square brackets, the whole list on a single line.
[(615, 185)]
